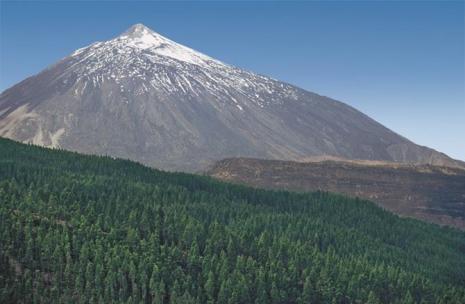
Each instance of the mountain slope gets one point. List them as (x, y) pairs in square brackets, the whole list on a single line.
[(434, 194), (144, 97), (88, 229)]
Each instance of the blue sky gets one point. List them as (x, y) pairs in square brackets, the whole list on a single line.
[(402, 63)]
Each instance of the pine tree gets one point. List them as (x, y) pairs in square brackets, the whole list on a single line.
[(224, 293), (372, 298), (261, 292), (275, 294), (210, 288), (309, 294), (159, 297)]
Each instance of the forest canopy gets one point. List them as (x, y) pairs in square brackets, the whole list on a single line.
[(90, 229)]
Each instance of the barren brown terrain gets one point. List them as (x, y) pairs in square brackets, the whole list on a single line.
[(430, 193)]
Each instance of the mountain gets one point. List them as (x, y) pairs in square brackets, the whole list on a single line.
[(90, 229), (144, 97), (430, 193)]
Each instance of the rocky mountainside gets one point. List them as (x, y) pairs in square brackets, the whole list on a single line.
[(434, 194), (144, 97)]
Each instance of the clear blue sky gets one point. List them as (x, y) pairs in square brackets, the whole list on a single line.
[(402, 63)]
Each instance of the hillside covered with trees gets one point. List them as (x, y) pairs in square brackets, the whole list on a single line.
[(88, 229)]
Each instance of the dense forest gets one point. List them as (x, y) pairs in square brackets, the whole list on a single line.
[(89, 229)]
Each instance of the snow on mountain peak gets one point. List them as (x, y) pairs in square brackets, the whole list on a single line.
[(141, 37), (142, 40), (137, 29), (144, 56)]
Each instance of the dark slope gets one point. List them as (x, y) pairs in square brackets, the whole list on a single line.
[(434, 194), (92, 229), (144, 97)]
